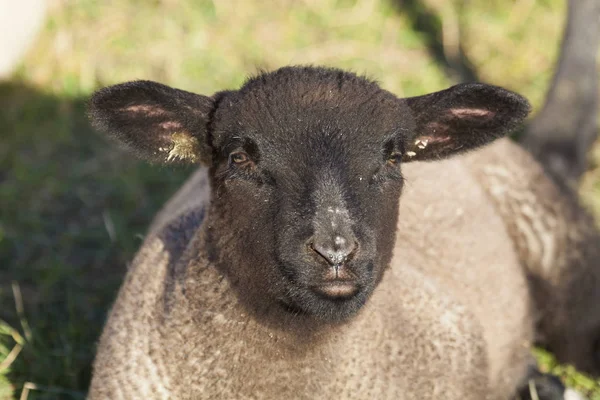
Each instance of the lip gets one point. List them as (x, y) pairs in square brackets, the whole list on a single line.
[(337, 289)]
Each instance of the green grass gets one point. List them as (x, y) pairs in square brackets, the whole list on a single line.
[(74, 209)]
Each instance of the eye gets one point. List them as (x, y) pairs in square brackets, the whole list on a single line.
[(239, 158), (394, 158)]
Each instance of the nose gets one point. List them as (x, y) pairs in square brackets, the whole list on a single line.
[(334, 250)]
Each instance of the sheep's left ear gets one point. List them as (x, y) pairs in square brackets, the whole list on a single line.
[(157, 122), (461, 118)]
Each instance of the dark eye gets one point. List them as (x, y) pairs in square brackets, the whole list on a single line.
[(394, 158), (239, 158)]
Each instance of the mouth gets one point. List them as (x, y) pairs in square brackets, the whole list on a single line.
[(331, 295), (336, 289)]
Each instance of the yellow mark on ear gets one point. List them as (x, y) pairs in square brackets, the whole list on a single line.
[(185, 147)]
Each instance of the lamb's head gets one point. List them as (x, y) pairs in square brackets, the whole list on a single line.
[(305, 170)]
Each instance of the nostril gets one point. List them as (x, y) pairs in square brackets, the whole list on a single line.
[(335, 251)]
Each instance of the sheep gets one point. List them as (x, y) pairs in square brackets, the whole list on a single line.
[(288, 267)]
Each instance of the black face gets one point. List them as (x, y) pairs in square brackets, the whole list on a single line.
[(310, 175), (305, 167)]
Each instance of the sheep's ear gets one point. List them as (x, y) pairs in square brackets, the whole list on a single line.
[(461, 118), (157, 122)]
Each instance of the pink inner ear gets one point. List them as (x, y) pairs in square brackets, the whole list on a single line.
[(471, 112), (146, 109)]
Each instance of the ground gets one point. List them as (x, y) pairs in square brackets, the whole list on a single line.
[(74, 208)]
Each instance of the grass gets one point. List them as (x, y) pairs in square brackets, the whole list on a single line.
[(74, 208)]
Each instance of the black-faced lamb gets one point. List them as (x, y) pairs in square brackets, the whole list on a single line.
[(285, 267)]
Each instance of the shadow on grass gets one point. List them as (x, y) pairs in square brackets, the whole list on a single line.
[(456, 66), (73, 210)]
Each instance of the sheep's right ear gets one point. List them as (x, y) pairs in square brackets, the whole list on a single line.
[(462, 118), (157, 122)]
